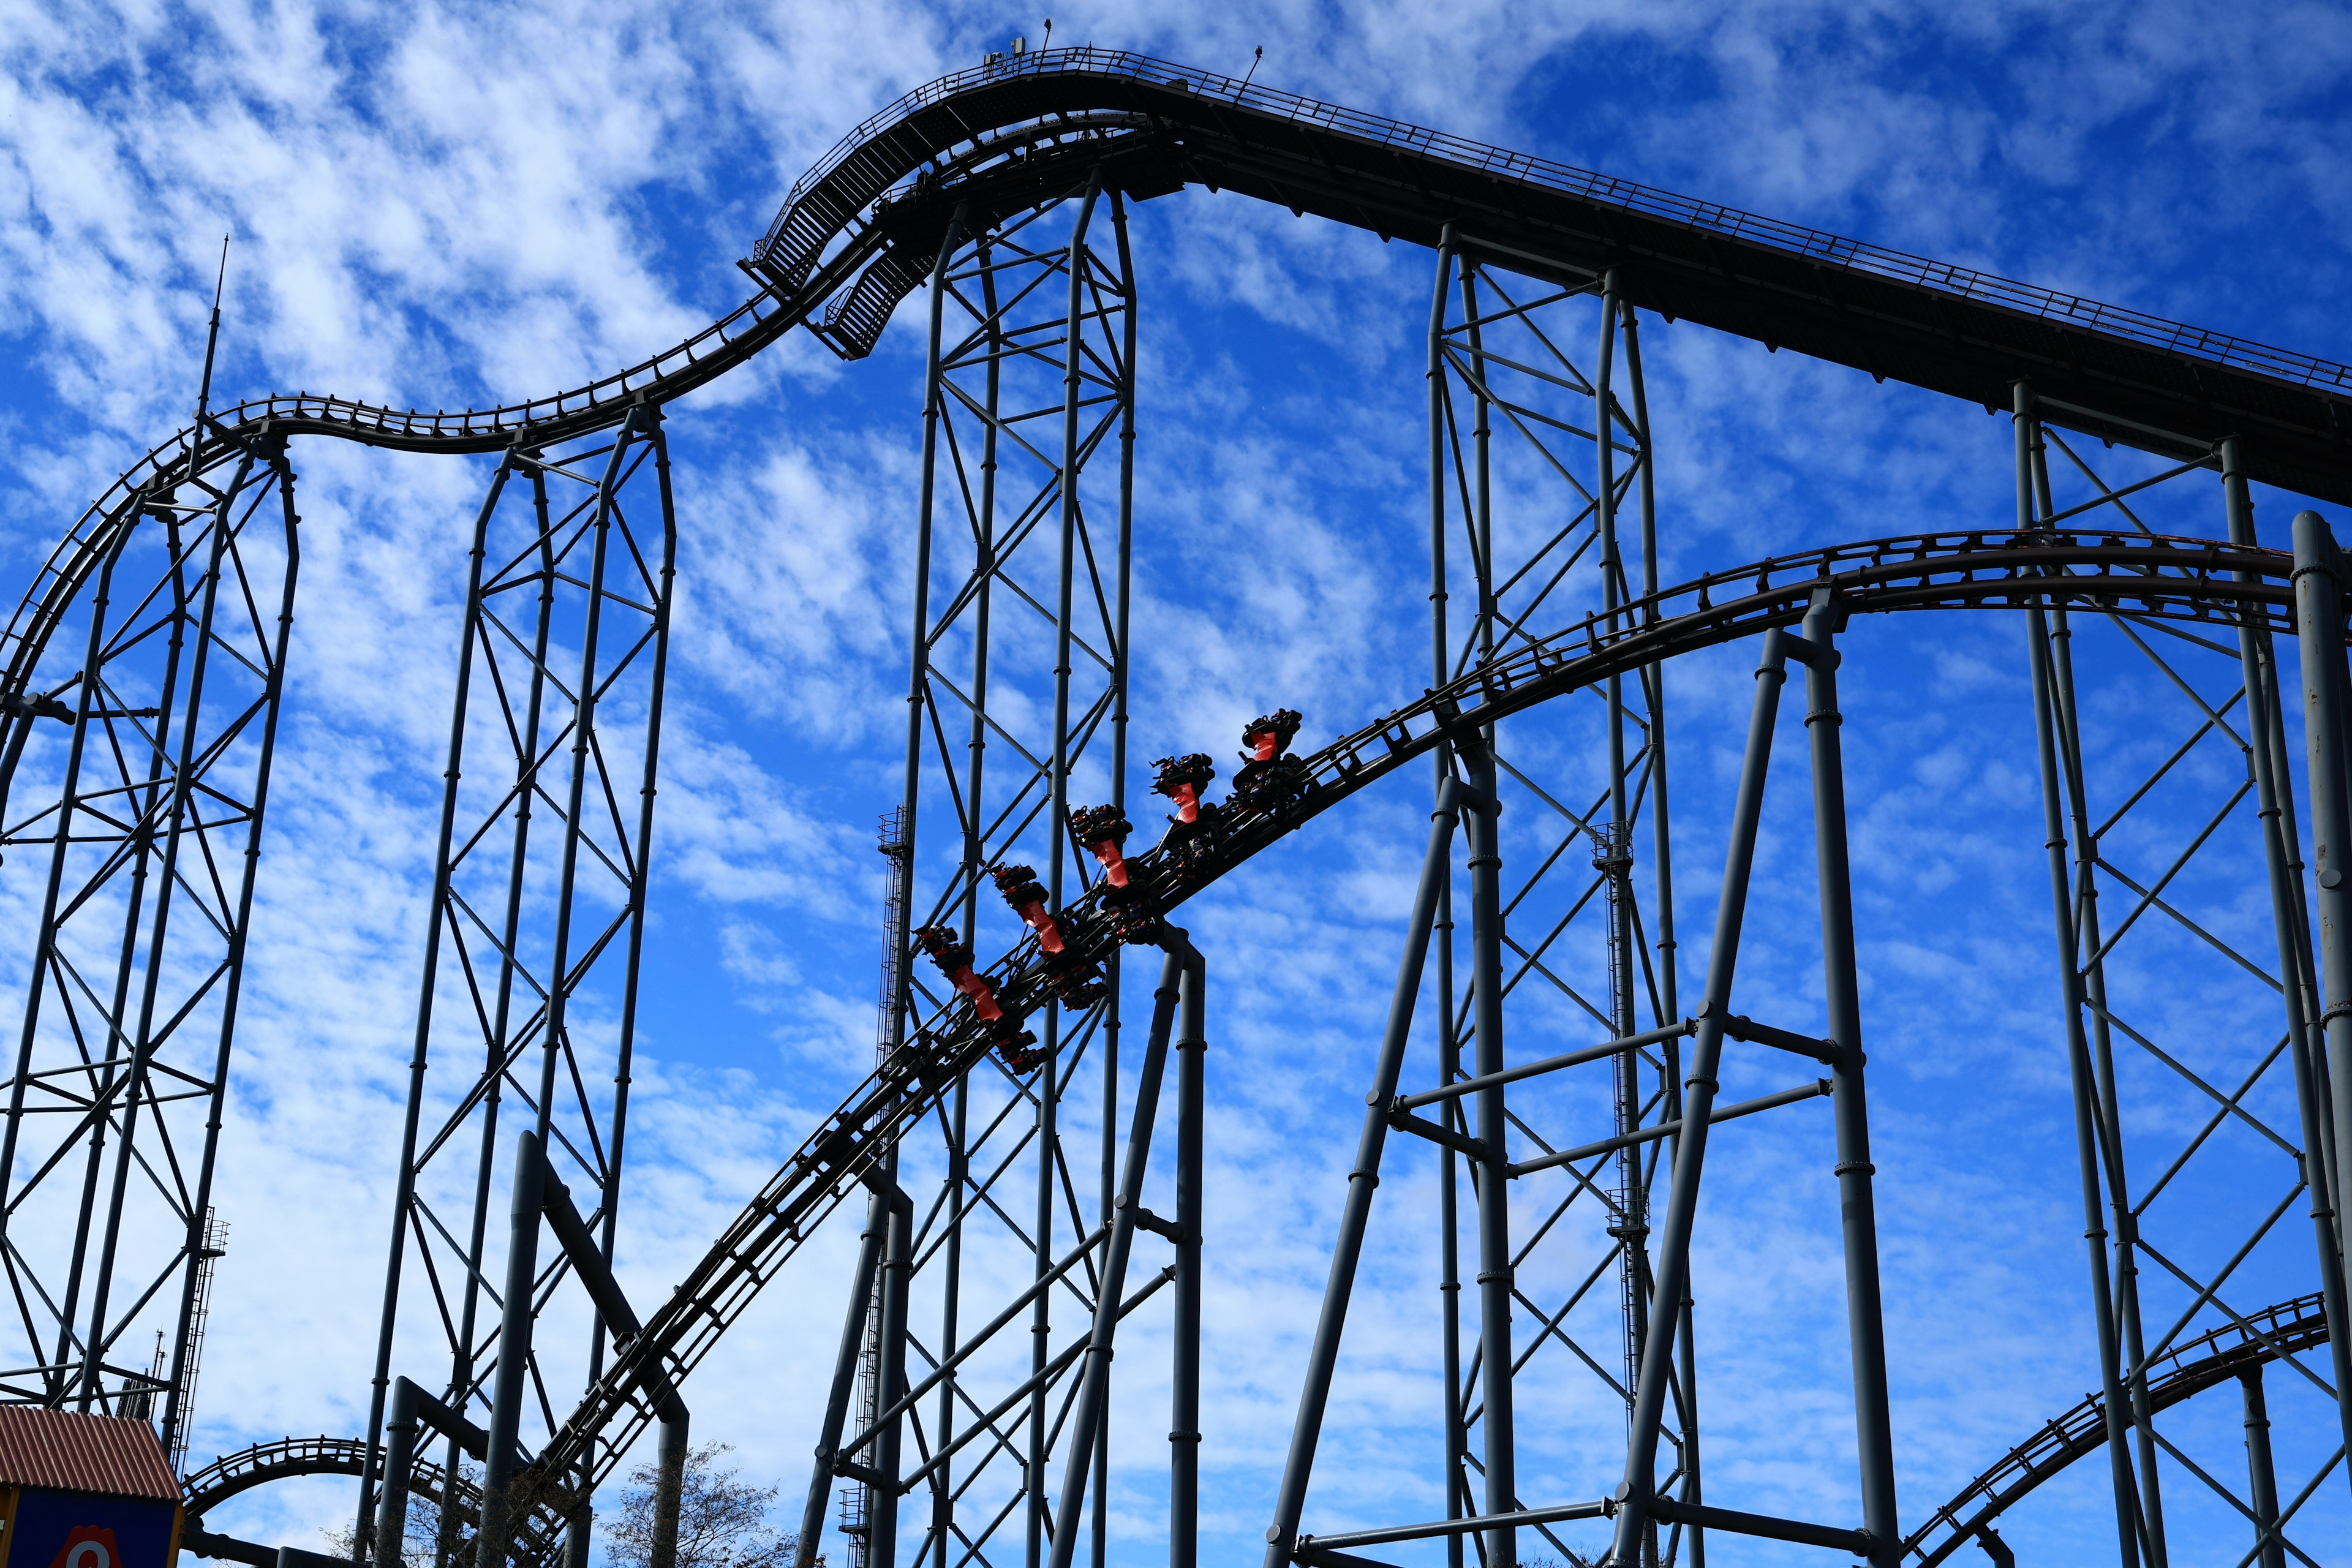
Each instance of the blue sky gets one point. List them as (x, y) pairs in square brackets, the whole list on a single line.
[(450, 206)]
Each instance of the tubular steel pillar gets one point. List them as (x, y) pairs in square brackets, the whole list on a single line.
[(2258, 670), (1672, 1257), (1865, 1324), (1669, 1002), (2319, 639), (399, 1454), (173, 1432), (844, 1376), (514, 1353), (1493, 1184), (1298, 1463), (2261, 1473), (1184, 1401), (888, 1324), (890, 1335), (1449, 1283), (2105, 1107), (1049, 1090), (463, 1353), (1182, 966)]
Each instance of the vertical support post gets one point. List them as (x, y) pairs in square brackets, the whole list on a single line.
[(919, 648), (2265, 723), (578, 1538), (943, 1486), (142, 856), (889, 1326), (1493, 1133), (1616, 863), (670, 1453), (517, 1310), (1672, 1259), (1184, 1402), (1865, 1324), (527, 759), (1094, 1388), (1298, 1463), (951, 1290), (844, 1376), (2046, 738), (1057, 838), (1449, 1284), (882, 1511), (2261, 1473), (1482, 494), (2319, 639), (399, 1457), (1661, 854)]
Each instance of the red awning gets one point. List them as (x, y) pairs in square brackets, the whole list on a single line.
[(66, 1451)]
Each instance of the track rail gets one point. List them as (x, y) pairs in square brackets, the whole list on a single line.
[(2180, 579), (2187, 1369), (2123, 374), (264, 422), (287, 1457), (2120, 374)]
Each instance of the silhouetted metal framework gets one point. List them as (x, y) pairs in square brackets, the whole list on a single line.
[(143, 675)]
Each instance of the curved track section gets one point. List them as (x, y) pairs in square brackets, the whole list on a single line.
[(860, 222), (264, 423), (2119, 372), (290, 1457), (2188, 1369), (2174, 579)]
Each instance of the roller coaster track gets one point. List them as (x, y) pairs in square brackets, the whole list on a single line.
[(2187, 579), (2114, 371), (859, 233), (2188, 1369), (206, 1489)]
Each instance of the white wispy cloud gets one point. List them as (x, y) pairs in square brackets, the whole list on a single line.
[(441, 205)]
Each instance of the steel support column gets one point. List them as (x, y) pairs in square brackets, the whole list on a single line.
[(1494, 1190), (2261, 1473), (1192, 1175), (1181, 969), (2258, 669), (1355, 1216), (2319, 642), (1840, 985), (1672, 1255)]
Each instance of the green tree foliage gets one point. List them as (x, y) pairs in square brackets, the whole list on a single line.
[(723, 1520)]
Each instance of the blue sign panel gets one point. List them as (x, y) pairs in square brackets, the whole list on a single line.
[(81, 1530)]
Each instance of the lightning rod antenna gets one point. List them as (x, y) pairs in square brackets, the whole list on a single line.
[(212, 337)]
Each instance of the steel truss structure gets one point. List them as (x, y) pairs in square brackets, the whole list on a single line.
[(1003, 1132)]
